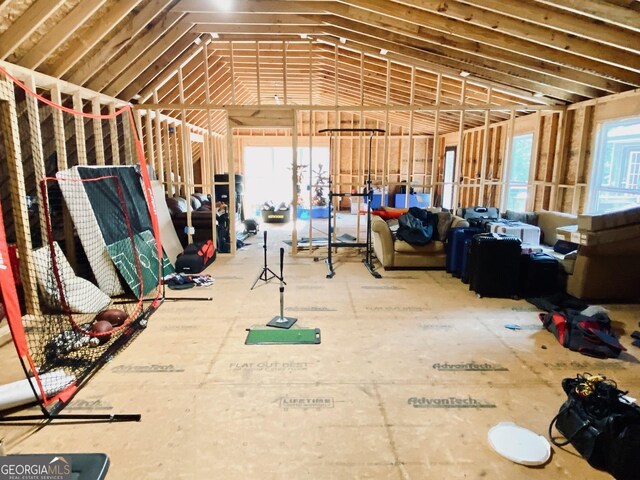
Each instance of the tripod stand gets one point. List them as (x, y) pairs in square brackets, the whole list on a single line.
[(264, 274)]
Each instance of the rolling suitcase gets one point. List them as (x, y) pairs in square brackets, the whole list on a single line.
[(455, 248), (538, 275), (494, 265), (464, 271)]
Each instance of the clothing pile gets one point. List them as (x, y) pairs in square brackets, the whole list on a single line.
[(181, 281)]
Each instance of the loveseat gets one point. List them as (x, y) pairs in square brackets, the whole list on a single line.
[(606, 262), (394, 253)]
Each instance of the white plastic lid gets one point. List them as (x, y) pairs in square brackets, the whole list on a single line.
[(519, 444)]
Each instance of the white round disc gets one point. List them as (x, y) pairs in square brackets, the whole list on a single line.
[(519, 444)]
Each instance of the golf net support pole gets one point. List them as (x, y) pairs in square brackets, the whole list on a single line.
[(368, 194)]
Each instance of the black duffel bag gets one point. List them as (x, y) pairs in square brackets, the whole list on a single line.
[(601, 426)]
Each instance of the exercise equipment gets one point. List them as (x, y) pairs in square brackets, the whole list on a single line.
[(264, 274), (368, 194), (279, 337), (280, 321)]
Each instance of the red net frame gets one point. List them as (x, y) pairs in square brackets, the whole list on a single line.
[(33, 353)]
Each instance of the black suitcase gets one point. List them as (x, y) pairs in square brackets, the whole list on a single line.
[(538, 275), (494, 265), (478, 212), (455, 248)]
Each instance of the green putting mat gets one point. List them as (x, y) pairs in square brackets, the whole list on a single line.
[(279, 336)]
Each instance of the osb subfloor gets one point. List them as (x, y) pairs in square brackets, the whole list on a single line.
[(412, 372)]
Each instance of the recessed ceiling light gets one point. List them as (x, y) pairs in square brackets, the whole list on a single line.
[(464, 73), (383, 51), (343, 40)]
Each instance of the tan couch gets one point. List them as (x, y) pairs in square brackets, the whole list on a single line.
[(394, 253), (606, 265)]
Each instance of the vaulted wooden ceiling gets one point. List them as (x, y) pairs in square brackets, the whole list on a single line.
[(327, 53)]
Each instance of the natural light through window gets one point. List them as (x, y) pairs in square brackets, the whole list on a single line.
[(517, 183), (615, 180), (268, 176)]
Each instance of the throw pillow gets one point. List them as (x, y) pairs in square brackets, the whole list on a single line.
[(526, 217), (444, 223)]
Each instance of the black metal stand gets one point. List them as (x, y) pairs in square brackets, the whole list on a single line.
[(368, 193), (54, 413), (280, 321), (264, 274), (123, 417)]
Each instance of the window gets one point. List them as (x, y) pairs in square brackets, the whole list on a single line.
[(517, 183), (616, 167), (268, 175), (449, 167)]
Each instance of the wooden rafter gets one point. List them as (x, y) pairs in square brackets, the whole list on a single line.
[(105, 53), (59, 33), (28, 23), (90, 39)]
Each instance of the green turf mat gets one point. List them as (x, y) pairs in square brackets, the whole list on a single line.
[(279, 336)]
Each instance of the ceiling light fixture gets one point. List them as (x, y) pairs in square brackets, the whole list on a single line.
[(277, 99), (538, 94), (383, 51), (136, 97), (215, 36), (343, 40), (197, 41), (304, 36), (465, 74), (224, 5)]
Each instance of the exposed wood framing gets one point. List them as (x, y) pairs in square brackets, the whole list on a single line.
[(13, 151)]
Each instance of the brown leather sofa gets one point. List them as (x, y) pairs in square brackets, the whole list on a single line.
[(202, 217)]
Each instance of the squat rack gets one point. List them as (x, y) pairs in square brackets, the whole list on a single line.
[(368, 194)]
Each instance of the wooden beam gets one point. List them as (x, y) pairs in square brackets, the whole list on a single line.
[(60, 32), (27, 24), (13, 155), (506, 27), (564, 21), (84, 43), (37, 155), (172, 45), (601, 10), (476, 43), (81, 144), (98, 135), (113, 136), (133, 53), (145, 19), (510, 79), (170, 70)]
